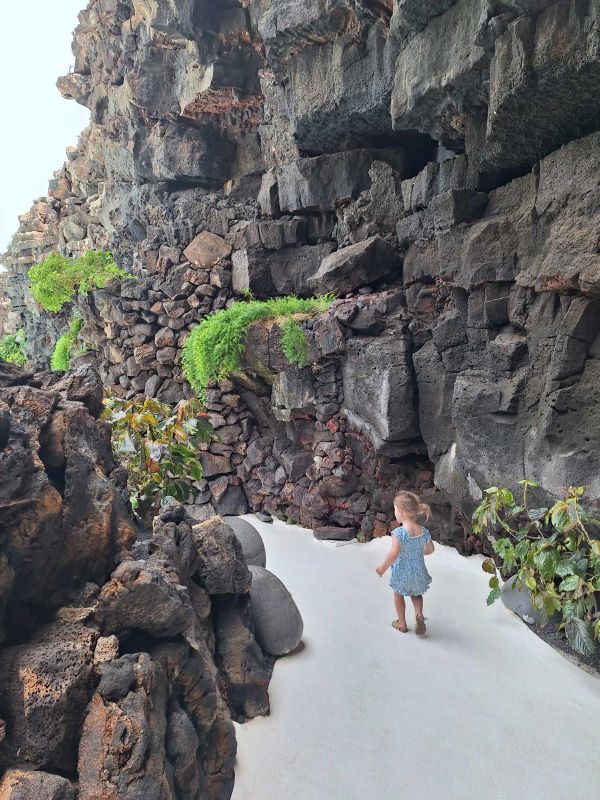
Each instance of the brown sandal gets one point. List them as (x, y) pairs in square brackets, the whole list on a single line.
[(421, 628), (397, 627)]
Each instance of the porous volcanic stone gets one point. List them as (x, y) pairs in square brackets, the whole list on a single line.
[(24, 784), (221, 567), (277, 622)]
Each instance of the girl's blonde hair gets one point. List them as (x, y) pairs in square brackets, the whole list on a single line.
[(412, 504)]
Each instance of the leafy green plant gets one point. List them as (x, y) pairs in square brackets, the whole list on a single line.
[(63, 349), (553, 555), (293, 342), (57, 279), (215, 347), (12, 348), (158, 445)]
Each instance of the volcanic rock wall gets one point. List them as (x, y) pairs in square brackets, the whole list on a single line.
[(436, 165), (124, 654)]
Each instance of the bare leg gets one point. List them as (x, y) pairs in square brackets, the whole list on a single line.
[(400, 611), (417, 602)]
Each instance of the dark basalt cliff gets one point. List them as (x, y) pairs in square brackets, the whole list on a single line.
[(436, 165)]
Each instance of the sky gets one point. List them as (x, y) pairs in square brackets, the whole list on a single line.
[(37, 125)]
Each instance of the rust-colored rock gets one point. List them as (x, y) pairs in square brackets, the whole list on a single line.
[(207, 250), (24, 784), (65, 520), (44, 690)]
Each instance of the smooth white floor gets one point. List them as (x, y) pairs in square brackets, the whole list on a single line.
[(481, 708)]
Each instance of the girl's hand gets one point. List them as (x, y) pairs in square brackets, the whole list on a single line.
[(380, 570)]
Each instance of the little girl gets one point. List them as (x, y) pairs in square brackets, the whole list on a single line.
[(410, 542)]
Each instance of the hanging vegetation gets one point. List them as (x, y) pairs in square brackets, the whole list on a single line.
[(56, 280), (63, 349), (215, 347)]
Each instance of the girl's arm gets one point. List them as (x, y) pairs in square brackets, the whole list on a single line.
[(390, 558), (429, 548)]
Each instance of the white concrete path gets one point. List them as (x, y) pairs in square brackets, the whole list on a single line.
[(479, 709)]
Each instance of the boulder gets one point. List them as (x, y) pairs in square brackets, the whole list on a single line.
[(519, 600), (207, 250), (253, 546), (356, 265), (24, 784), (264, 516), (232, 502), (379, 392), (277, 621), (334, 533), (320, 183), (132, 764), (144, 595), (243, 666), (44, 691), (221, 568), (296, 461), (269, 272)]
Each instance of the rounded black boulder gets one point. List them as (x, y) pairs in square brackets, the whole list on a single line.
[(278, 624), (252, 544), (517, 598)]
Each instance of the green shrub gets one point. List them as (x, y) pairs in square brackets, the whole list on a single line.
[(63, 349), (158, 445), (56, 279), (12, 348), (552, 554), (215, 347)]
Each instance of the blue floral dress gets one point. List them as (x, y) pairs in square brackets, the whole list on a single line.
[(409, 573)]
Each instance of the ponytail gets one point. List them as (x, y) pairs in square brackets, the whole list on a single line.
[(411, 503)]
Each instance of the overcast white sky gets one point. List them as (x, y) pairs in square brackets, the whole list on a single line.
[(36, 124)]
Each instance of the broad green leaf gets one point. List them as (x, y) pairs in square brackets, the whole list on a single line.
[(569, 584), (580, 636), (565, 567), (493, 596), (489, 566), (521, 549), (546, 561)]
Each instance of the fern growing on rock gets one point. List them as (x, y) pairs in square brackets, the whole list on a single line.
[(63, 349), (56, 280), (293, 342), (215, 347), (12, 348)]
